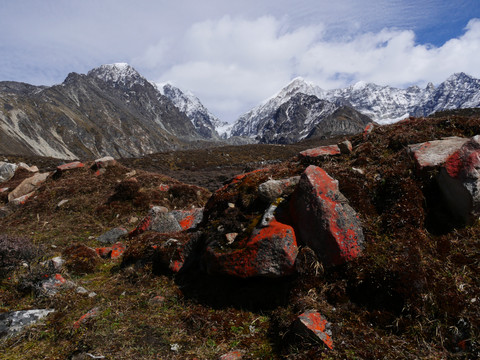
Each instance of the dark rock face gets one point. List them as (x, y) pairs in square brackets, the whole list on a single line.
[(343, 121), (112, 110), (303, 116), (204, 121)]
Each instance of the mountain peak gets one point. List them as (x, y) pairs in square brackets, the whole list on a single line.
[(460, 76), (117, 73)]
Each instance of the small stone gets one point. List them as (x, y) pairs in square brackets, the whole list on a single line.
[(105, 162), (117, 250), (81, 290), (92, 294), (131, 173), (89, 315), (269, 252), (231, 237), (62, 202), (111, 236), (133, 220), (22, 199), (232, 355), (231, 205), (157, 300)]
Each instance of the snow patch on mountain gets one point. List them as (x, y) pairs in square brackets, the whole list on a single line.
[(118, 73), (204, 121)]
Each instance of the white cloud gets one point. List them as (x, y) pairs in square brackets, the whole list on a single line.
[(234, 63), (234, 54)]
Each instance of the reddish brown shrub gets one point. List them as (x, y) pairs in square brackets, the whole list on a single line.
[(80, 259)]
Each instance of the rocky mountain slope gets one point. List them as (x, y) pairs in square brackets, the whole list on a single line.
[(383, 104), (204, 121), (112, 110), (350, 251), (304, 116)]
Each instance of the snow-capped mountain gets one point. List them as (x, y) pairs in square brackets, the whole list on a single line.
[(204, 121), (295, 113), (459, 91), (383, 104), (118, 74), (247, 124), (304, 116)]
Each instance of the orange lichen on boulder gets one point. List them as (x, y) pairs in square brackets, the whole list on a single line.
[(324, 220), (269, 252)]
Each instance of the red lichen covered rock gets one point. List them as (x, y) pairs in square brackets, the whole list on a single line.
[(321, 151), (324, 220), (70, 166), (111, 252), (89, 315), (117, 250), (104, 252), (53, 284), (159, 220), (173, 253), (188, 219), (435, 153), (313, 325), (232, 355), (269, 252), (368, 129)]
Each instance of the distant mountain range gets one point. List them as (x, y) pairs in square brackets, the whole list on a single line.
[(383, 104), (113, 110)]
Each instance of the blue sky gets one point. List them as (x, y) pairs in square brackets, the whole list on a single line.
[(233, 54)]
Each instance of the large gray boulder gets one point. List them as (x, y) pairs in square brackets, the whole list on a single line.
[(28, 185)]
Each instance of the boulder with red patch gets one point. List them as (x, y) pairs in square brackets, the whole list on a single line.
[(459, 181), (324, 220), (70, 166), (432, 154), (313, 325), (188, 219), (159, 220), (269, 252), (321, 151)]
